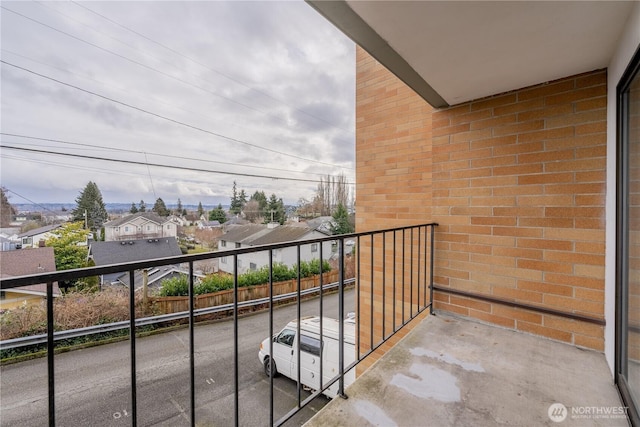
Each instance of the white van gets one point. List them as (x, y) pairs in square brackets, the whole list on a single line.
[(285, 355)]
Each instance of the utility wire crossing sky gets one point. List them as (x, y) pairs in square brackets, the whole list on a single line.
[(173, 100)]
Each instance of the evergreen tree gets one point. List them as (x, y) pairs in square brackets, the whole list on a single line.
[(275, 210), (235, 206), (218, 214), (200, 209), (242, 198), (261, 198), (160, 208), (133, 209), (341, 224), (90, 208), (179, 207), (6, 210), (143, 207)]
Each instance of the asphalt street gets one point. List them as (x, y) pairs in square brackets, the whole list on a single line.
[(93, 386)]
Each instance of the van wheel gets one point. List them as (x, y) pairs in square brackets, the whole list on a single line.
[(270, 367)]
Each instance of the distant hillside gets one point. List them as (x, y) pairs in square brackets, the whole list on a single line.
[(58, 208)]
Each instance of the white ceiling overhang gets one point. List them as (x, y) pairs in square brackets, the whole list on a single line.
[(451, 52)]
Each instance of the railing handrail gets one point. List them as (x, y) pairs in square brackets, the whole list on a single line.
[(62, 275)]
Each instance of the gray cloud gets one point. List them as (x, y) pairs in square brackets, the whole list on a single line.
[(272, 74)]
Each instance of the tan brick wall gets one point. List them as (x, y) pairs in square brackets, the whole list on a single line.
[(516, 182), (393, 175)]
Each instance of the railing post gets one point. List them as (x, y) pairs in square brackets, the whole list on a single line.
[(298, 316), (50, 356), (271, 414), (236, 368), (432, 228), (192, 366), (341, 319), (132, 338)]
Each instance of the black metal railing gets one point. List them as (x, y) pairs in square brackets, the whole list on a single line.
[(394, 284)]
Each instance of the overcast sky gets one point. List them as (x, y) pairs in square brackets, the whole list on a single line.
[(257, 90)]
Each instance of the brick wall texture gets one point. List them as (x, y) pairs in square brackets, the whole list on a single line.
[(516, 182)]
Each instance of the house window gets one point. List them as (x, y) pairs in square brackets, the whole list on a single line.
[(148, 228), (168, 226), (314, 247), (238, 245), (223, 260), (126, 229), (253, 266), (223, 243), (628, 235)]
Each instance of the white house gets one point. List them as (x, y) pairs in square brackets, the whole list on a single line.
[(35, 238), (255, 235), (142, 225)]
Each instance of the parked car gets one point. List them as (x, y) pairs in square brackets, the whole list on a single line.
[(316, 352)]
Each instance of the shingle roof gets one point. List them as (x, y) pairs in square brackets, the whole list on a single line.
[(253, 234), (245, 233), (29, 261), (283, 233), (40, 230), (105, 253), (151, 216)]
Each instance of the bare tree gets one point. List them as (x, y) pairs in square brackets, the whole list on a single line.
[(331, 193)]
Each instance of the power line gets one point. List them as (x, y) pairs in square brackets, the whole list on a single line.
[(164, 117), (160, 165), (233, 79), (171, 76), (121, 89), (92, 146), (31, 201)]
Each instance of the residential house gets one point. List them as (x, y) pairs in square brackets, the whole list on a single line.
[(116, 252), (249, 235), (38, 236), (514, 126), (234, 221), (209, 225), (178, 220), (154, 277), (141, 225), (21, 263)]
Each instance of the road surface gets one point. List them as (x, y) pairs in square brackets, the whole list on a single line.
[(93, 386)]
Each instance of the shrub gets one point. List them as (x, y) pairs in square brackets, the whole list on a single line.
[(175, 286), (72, 311), (221, 282)]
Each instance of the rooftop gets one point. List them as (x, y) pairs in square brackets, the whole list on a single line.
[(451, 371)]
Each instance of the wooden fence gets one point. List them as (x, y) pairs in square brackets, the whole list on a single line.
[(167, 305)]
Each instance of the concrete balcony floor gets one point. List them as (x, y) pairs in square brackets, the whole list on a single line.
[(451, 371)]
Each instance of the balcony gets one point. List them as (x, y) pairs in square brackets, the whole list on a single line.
[(177, 395), (451, 371), (426, 369)]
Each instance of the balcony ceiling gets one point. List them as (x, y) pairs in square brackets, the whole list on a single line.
[(451, 52)]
